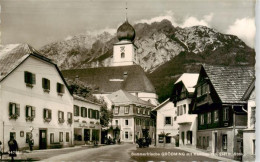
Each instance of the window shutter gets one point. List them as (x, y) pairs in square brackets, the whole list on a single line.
[(44, 113), (10, 109), (17, 109), (98, 114), (33, 79), (33, 111), (49, 113), (93, 114), (89, 113), (86, 114), (62, 88), (62, 115), (43, 83), (48, 85), (26, 111), (58, 85), (82, 112)]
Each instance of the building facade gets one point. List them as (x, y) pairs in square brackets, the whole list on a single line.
[(34, 100), (182, 97), (221, 114), (131, 118), (167, 129), (249, 136), (87, 128)]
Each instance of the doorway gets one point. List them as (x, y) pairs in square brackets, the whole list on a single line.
[(43, 139), (216, 142)]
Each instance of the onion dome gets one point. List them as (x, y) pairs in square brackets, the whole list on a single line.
[(126, 32)]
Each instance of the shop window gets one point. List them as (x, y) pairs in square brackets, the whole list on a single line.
[(67, 136), (61, 136), (52, 138), (126, 135)]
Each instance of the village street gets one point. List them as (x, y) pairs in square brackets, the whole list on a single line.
[(123, 152)]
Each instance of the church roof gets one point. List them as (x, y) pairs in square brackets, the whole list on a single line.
[(122, 97), (131, 78), (126, 32)]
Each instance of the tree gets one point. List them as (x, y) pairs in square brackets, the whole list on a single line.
[(105, 115)]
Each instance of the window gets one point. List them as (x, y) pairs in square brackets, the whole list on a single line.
[(60, 88), (126, 135), (148, 112), (83, 112), (138, 110), (207, 141), (46, 84), (209, 117), (199, 143), (178, 110), (126, 122), (201, 119), (116, 110), (122, 55), (181, 110), (225, 113), (203, 89), (29, 78), (184, 109), (168, 139), (116, 122), (224, 142), (46, 113), (61, 116), (29, 112), (61, 136), (14, 110), (69, 116), (67, 136), (126, 109), (144, 112), (168, 120), (252, 118), (76, 110), (97, 114), (253, 151), (13, 134), (52, 138), (216, 116)]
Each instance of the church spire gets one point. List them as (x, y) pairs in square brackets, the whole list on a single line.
[(126, 19)]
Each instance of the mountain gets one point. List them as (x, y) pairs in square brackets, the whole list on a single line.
[(164, 51)]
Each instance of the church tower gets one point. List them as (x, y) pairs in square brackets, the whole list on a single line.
[(124, 52)]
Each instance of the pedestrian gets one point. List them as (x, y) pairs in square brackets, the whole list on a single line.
[(13, 147), (31, 142)]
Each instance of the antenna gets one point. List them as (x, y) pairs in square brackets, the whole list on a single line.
[(126, 11)]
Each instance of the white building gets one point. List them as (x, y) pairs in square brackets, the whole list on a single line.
[(182, 95), (87, 128), (131, 117), (35, 99), (249, 136), (166, 115)]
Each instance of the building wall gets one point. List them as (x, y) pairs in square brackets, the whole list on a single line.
[(129, 51), (167, 110), (81, 123), (14, 89), (210, 146), (248, 147)]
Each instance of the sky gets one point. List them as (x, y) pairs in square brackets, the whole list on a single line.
[(39, 22)]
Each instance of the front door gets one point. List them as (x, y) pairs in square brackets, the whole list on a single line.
[(86, 135), (43, 139)]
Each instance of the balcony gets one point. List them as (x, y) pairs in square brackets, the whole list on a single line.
[(203, 99), (186, 119), (182, 96)]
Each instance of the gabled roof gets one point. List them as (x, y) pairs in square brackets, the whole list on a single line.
[(110, 79), (122, 97), (161, 105), (248, 92), (189, 80), (230, 82), (13, 55)]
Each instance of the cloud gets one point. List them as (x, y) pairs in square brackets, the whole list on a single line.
[(187, 22), (245, 29)]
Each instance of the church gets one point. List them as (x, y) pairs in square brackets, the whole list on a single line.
[(125, 88), (125, 73)]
